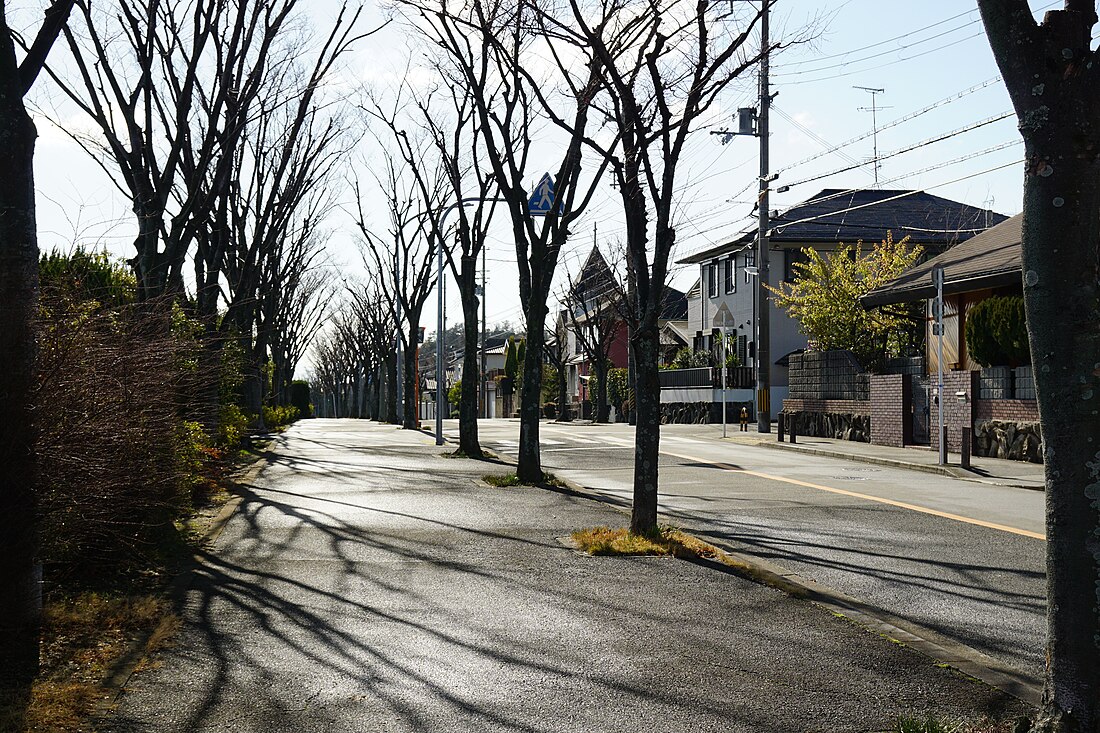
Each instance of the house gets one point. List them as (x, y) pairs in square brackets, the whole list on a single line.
[(824, 222), (986, 265), (989, 400), (591, 314)]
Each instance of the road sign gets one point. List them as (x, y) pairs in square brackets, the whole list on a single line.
[(723, 318), (541, 202)]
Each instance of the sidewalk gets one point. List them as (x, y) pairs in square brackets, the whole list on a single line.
[(987, 470), (369, 583)]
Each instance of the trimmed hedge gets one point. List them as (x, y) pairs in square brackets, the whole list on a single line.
[(996, 332)]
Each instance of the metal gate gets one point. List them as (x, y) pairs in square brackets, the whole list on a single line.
[(922, 413)]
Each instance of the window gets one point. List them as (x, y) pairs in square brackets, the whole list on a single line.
[(791, 258), (750, 261), (712, 280), (731, 274)]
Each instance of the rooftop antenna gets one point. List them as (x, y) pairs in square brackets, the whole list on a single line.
[(873, 109)]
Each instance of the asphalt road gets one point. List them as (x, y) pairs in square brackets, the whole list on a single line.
[(367, 583), (963, 559)]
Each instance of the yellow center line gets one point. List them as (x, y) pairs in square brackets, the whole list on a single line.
[(865, 497)]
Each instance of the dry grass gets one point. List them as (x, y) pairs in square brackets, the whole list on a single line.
[(502, 480), (549, 480), (82, 638), (664, 540)]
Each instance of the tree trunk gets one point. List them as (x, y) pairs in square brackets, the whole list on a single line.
[(529, 468), (471, 377), (20, 601), (391, 390), (647, 433), (563, 394), (1049, 72), (409, 419), (1060, 264), (601, 392)]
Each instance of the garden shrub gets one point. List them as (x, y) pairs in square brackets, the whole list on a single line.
[(996, 332)]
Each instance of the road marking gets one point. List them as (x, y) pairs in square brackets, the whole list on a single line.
[(866, 497)]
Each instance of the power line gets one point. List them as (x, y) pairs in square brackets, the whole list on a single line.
[(910, 148), (894, 123)]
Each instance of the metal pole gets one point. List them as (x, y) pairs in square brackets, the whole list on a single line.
[(763, 376), (439, 395), (937, 275), (481, 375), (722, 391)]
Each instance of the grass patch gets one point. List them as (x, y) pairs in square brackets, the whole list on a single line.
[(549, 480), (502, 480), (83, 636), (664, 540)]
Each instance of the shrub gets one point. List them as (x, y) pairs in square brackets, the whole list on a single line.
[(279, 415), (618, 385), (687, 359), (996, 332), (112, 396), (299, 397), (232, 426)]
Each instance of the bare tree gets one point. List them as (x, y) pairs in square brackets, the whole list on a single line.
[(404, 259), (20, 602), (486, 44), (446, 116), (1050, 71), (657, 72), (556, 349)]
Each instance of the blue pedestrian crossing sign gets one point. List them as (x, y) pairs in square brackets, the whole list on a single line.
[(541, 202)]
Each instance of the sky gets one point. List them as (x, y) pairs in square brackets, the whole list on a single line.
[(931, 60)]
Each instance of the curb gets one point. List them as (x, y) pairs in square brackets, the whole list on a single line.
[(118, 676), (956, 472), (925, 641)]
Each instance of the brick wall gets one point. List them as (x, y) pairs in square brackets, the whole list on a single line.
[(957, 414), (891, 401), (843, 407), (1021, 411)]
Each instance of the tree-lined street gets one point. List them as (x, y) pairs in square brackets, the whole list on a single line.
[(981, 586), (369, 582)]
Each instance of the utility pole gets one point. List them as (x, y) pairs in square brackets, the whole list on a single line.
[(873, 109), (763, 334)]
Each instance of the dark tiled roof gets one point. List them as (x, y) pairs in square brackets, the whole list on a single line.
[(675, 306), (989, 260), (835, 215)]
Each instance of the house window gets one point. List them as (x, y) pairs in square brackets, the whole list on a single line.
[(731, 274), (750, 261), (712, 280), (791, 258)]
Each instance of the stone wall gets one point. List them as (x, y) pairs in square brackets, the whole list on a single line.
[(703, 413), (844, 426), (1011, 440)]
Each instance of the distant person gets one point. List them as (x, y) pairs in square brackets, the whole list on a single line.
[(744, 419)]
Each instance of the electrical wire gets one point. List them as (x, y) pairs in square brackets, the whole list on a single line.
[(911, 148), (894, 123)]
